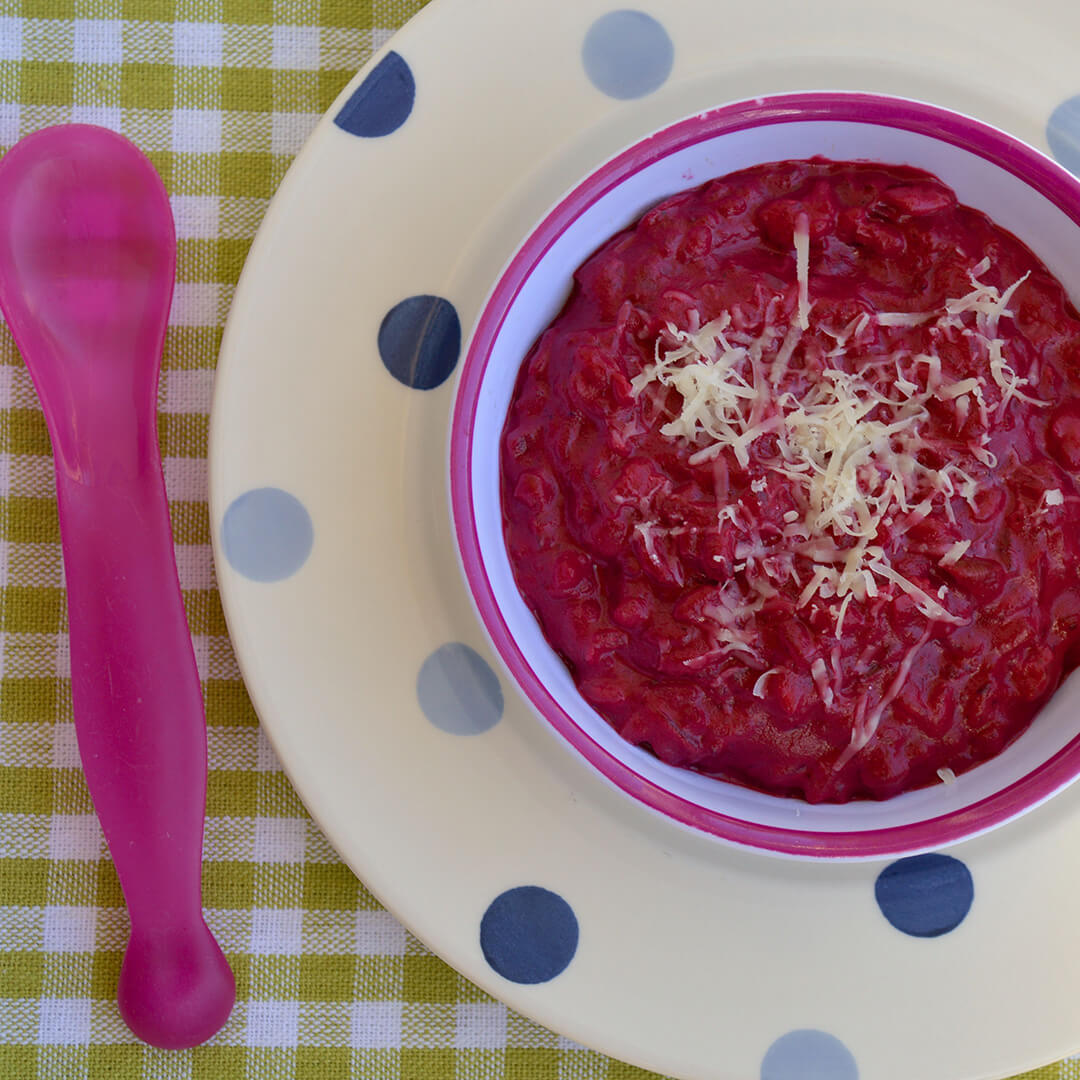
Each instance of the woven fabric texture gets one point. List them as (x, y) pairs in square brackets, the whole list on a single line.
[(221, 95)]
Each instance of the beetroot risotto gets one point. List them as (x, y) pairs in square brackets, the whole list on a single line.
[(789, 486)]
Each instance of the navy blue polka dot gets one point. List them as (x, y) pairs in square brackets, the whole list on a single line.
[(382, 102), (420, 341), (1063, 134), (925, 895), (808, 1054), (529, 934), (627, 54), (267, 534), (458, 691)]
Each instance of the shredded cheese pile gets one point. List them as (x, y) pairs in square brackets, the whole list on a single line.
[(844, 426)]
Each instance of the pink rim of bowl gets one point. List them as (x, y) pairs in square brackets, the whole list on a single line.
[(1024, 162)]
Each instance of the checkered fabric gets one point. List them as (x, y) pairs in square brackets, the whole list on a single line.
[(221, 94)]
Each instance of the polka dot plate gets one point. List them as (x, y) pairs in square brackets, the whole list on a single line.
[(367, 664)]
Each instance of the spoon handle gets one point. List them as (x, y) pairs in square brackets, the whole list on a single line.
[(141, 730)]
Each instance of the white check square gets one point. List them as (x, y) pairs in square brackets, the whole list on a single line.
[(376, 1025), (279, 840), (296, 48), (75, 836), (275, 932), (11, 38), (273, 1023), (98, 41), (481, 1025), (64, 1022), (196, 131), (197, 44), (70, 929)]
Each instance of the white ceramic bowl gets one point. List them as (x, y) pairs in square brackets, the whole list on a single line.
[(1018, 187)]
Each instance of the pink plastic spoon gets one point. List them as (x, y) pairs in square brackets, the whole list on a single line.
[(87, 258)]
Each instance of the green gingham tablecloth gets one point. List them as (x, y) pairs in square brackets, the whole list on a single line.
[(221, 94)]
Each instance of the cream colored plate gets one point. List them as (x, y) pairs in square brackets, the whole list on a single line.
[(691, 958)]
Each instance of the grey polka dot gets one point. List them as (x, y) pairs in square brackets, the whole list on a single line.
[(808, 1054), (267, 534), (627, 54), (458, 691), (1063, 134)]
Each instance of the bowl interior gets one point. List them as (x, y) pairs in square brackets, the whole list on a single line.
[(984, 167)]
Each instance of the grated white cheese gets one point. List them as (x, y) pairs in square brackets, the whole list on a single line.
[(846, 430), (956, 389), (947, 776), (954, 554), (802, 268), (1053, 497), (821, 679), (759, 684), (903, 318)]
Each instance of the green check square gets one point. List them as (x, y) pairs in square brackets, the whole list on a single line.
[(48, 9), (28, 699), (204, 612), (247, 12), (327, 978), (24, 883), (108, 893), (241, 969), (229, 884), (231, 791), (25, 791), (105, 975), (190, 522), (431, 1064), (322, 1062), (246, 175), (162, 160), (183, 434), (428, 979), (230, 256), (219, 1062), (329, 887), (32, 521), (21, 974), (347, 13), (227, 702), (120, 1061), (29, 610), (149, 10), (146, 86), (188, 348), (527, 1064), (18, 1061), (27, 433), (247, 89)]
